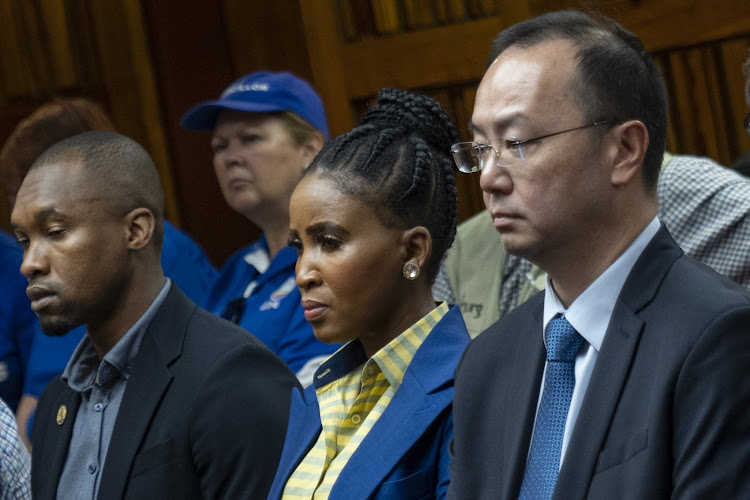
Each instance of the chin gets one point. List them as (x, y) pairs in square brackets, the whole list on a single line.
[(57, 327), (326, 336)]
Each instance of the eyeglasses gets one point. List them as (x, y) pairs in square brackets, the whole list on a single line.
[(474, 156), (747, 123)]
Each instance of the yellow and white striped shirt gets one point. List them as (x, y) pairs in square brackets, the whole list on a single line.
[(351, 404)]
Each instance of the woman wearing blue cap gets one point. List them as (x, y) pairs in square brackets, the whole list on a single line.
[(266, 128)]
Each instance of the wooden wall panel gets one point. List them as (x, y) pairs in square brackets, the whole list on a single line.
[(192, 56), (440, 48), (148, 62), (83, 48)]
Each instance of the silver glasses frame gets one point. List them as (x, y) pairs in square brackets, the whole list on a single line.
[(481, 151)]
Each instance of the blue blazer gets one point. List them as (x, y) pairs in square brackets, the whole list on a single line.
[(405, 454)]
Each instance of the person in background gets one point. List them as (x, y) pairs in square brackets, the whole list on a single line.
[(370, 221), (15, 464), (161, 399), (266, 128), (17, 323), (628, 376), (183, 260), (742, 164)]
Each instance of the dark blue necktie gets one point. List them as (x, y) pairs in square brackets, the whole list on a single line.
[(543, 463)]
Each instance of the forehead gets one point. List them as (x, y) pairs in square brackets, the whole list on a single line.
[(230, 118), (526, 84), (317, 198), (61, 184)]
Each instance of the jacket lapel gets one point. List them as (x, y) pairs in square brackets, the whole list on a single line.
[(521, 398), (54, 444), (425, 392), (613, 363), (302, 432), (150, 378), (390, 439)]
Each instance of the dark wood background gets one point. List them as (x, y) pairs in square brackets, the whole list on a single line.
[(148, 61)]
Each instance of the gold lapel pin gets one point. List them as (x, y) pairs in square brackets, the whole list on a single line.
[(62, 412)]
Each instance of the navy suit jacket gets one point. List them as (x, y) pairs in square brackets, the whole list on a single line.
[(203, 414), (405, 454), (666, 412)]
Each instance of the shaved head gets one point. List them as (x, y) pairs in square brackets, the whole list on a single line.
[(117, 168)]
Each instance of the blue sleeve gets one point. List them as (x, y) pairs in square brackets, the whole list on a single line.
[(17, 322), (185, 263), (48, 358)]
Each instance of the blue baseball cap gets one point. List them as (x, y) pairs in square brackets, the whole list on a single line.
[(262, 92)]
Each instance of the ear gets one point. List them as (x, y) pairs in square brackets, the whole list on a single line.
[(631, 144), (140, 226), (418, 245), (312, 145)]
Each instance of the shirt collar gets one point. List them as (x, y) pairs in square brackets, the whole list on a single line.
[(591, 311), (84, 368), (258, 256), (393, 359)]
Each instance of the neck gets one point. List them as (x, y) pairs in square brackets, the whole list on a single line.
[(575, 269), (275, 227), (115, 322), (276, 238), (400, 320)]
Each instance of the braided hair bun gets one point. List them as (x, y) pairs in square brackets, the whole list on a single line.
[(398, 161), (416, 112)]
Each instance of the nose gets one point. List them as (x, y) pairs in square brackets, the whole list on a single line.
[(34, 261), (232, 155), (307, 275), (495, 179)]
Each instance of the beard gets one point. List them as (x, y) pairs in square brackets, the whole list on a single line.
[(57, 327), (57, 323)]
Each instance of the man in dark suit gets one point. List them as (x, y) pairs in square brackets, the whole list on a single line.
[(160, 398), (628, 376)]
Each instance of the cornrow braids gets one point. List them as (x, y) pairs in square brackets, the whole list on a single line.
[(398, 161)]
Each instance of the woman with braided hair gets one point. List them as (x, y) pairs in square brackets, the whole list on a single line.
[(370, 220)]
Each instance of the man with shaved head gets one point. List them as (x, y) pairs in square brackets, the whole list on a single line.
[(160, 398)]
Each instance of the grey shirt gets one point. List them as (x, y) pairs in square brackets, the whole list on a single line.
[(101, 386)]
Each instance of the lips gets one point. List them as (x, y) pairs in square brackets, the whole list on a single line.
[(238, 183), (502, 219), (313, 310), (40, 297)]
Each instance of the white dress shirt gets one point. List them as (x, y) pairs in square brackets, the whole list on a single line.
[(590, 314)]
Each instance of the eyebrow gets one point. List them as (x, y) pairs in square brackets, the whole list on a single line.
[(41, 215), (503, 122), (325, 226)]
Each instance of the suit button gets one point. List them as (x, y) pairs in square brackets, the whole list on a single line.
[(356, 419), (98, 407), (93, 468)]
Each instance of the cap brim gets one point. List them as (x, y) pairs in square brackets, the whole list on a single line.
[(203, 115)]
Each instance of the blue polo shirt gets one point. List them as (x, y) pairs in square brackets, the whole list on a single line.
[(182, 260), (17, 321), (261, 295)]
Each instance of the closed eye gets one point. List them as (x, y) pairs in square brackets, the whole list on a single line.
[(250, 138)]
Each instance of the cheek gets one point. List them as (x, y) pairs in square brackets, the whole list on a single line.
[(366, 284)]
